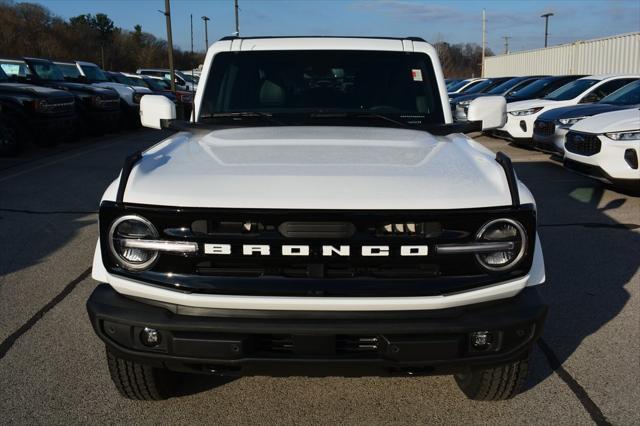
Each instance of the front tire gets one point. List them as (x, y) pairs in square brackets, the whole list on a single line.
[(139, 381), (496, 383)]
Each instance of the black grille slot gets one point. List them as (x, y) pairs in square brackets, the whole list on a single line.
[(356, 344), (582, 143), (544, 128), (317, 229)]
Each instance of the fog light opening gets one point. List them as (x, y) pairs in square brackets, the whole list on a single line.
[(481, 341), (150, 337), (631, 158), (523, 125)]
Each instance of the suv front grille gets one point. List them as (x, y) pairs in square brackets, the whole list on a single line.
[(544, 128), (342, 250), (60, 107), (582, 143)]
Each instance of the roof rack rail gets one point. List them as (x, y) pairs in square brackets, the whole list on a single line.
[(504, 160)]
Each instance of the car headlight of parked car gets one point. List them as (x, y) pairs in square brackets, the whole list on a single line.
[(134, 243), (509, 240), (565, 123), (522, 112), (631, 135)]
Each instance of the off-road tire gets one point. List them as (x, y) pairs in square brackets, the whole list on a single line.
[(139, 381), (494, 384)]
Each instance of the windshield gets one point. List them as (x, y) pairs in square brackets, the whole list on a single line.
[(187, 77), (156, 84), (457, 85), (627, 95), (571, 90), (505, 87), (46, 71), (123, 79), (93, 73), (396, 84), (69, 71), (536, 87), (482, 87)]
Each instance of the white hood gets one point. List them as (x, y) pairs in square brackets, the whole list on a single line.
[(616, 121), (318, 168)]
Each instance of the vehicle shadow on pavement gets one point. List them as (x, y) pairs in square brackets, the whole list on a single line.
[(589, 256), (190, 384)]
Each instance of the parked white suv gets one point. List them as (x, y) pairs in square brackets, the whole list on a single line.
[(607, 147), (522, 115), (321, 214), (183, 81)]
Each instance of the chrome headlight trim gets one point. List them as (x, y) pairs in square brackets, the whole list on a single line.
[(523, 245), (124, 262)]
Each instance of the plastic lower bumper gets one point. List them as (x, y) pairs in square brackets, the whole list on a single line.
[(232, 342), (598, 173), (57, 127)]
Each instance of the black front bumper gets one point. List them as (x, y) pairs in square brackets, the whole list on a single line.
[(596, 172), (232, 342)]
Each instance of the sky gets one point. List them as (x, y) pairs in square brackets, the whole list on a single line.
[(454, 21)]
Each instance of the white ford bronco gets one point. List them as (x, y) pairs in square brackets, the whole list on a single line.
[(320, 214)]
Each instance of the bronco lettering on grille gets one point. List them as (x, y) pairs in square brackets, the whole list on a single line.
[(305, 250)]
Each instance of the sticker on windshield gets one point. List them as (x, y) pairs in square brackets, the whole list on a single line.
[(416, 74)]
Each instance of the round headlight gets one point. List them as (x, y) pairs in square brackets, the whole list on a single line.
[(125, 229), (502, 230)]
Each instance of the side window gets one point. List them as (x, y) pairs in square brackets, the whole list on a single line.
[(607, 88), (15, 70)]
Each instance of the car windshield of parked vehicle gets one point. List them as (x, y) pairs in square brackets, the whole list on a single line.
[(535, 87), (94, 74), (481, 87), (123, 79), (454, 85), (627, 95), (350, 85), (189, 79), (70, 71), (156, 84), (503, 88), (46, 70), (571, 90)]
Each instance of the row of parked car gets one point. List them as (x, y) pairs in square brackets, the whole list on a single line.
[(592, 122), (45, 102)]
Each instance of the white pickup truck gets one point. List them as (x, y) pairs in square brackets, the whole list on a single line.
[(321, 214)]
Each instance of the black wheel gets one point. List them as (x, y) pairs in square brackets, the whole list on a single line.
[(139, 381), (494, 384), (9, 143)]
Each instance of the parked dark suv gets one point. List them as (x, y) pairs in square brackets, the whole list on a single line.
[(33, 114), (98, 108)]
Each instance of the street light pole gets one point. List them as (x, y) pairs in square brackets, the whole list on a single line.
[(546, 26), (236, 9), (206, 32), (167, 15)]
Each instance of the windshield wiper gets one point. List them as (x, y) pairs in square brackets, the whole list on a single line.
[(358, 115), (246, 114)]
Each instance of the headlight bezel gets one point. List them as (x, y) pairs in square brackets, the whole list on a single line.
[(125, 263), (525, 112), (522, 250), (569, 121), (618, 136)]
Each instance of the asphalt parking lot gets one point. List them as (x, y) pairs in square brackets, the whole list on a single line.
[(52, 369)]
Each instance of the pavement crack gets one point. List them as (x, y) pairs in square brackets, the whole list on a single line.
[(7, 343), (589, 405)]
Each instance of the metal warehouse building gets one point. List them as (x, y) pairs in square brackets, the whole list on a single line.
[(610, 55)]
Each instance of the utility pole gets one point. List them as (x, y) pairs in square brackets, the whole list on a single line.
[(546, 26), (206, 33), (484, 39), (236, 9), (191, 16), (167, 15), (506, 44)]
